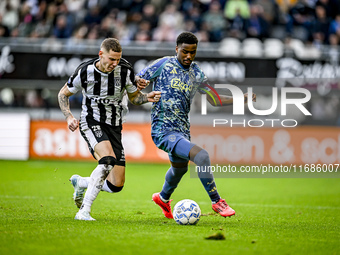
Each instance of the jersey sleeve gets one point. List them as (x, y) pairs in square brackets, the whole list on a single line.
[(74, 82), (130, 84), (204, 86), (152, 71)]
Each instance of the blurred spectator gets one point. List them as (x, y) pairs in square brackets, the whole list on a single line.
[(10, 16), (159, 5), (26, 20), (194, 14), (171, 17), (214, 22), (106, 28), (136, 6), (334, 27), (62, 29), (190, 26), (149, 15), (256, 26), (77, 9), (164, 33), (236, 7), (332, 7), (77, 37), (302, 15), (320, 27), (93, 17), (170, 23), (143, 31), (270, 10), (237, 26), (130, 19)]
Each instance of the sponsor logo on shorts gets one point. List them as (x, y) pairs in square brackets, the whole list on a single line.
[(97, 131)]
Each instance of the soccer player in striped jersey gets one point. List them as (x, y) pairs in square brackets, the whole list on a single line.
[(104, 82), (179, 78)]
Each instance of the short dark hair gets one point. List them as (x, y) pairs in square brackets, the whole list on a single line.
[(111, 44), (186, 37)]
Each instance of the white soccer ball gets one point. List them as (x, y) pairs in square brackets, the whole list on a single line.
[(187, 212)]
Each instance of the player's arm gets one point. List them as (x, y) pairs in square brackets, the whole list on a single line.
[(139, 98), (222, 100), (64, 104)]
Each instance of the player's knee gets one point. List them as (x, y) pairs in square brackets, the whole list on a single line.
[(114, 188), (202, 158), (107, 160)]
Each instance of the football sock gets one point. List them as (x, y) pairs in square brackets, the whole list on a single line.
[(172, 178), (84, 182), (95, 184), (202, 160), (109, 187)]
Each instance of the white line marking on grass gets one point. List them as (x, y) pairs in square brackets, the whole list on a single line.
[(283, 206), (201, 202), (24, 197)]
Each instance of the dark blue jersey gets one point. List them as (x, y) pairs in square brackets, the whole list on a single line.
[(178, 86)]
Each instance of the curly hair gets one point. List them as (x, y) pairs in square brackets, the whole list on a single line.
[(186, 37)]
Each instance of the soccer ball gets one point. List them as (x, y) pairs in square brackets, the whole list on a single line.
[(187, 212)]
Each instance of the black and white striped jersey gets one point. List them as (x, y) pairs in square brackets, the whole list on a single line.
[(104, 94)]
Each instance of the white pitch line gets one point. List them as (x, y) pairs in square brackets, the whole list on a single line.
[(282, 206), (201, 202)]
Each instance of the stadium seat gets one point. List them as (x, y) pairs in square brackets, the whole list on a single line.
[(252, 47), (230, 47), (273, 48)]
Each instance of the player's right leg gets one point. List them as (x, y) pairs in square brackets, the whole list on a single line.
[(97, 178), (172, 178), (179, 166)]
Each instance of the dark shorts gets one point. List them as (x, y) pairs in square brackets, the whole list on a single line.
[(95, 132), (176, 145)]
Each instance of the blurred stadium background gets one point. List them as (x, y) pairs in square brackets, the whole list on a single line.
[(263, 44)]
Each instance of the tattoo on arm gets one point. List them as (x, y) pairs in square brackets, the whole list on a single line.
[(64, 105), (140, 98)]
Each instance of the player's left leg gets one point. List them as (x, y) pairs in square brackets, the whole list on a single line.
[(201, 158)]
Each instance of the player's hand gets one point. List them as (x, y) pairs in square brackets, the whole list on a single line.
[(72, 123), (253, 98), (154, 96), (141, 83)]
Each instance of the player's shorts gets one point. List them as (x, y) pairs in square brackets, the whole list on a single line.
[(176, 145), (94, 132)]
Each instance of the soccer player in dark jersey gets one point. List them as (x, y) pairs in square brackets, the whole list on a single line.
[(104, 82), (179, 78)]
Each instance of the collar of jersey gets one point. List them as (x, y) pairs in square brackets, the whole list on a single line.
[(186, 69), (94, 64)]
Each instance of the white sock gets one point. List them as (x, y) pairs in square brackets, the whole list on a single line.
[(165, 201), (95, 184), (106, 187), (84, 182)]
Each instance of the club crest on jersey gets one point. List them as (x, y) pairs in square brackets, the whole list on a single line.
[(97, 131), (117, 81)]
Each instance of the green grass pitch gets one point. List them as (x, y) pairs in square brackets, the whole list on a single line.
[(273, 216)]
